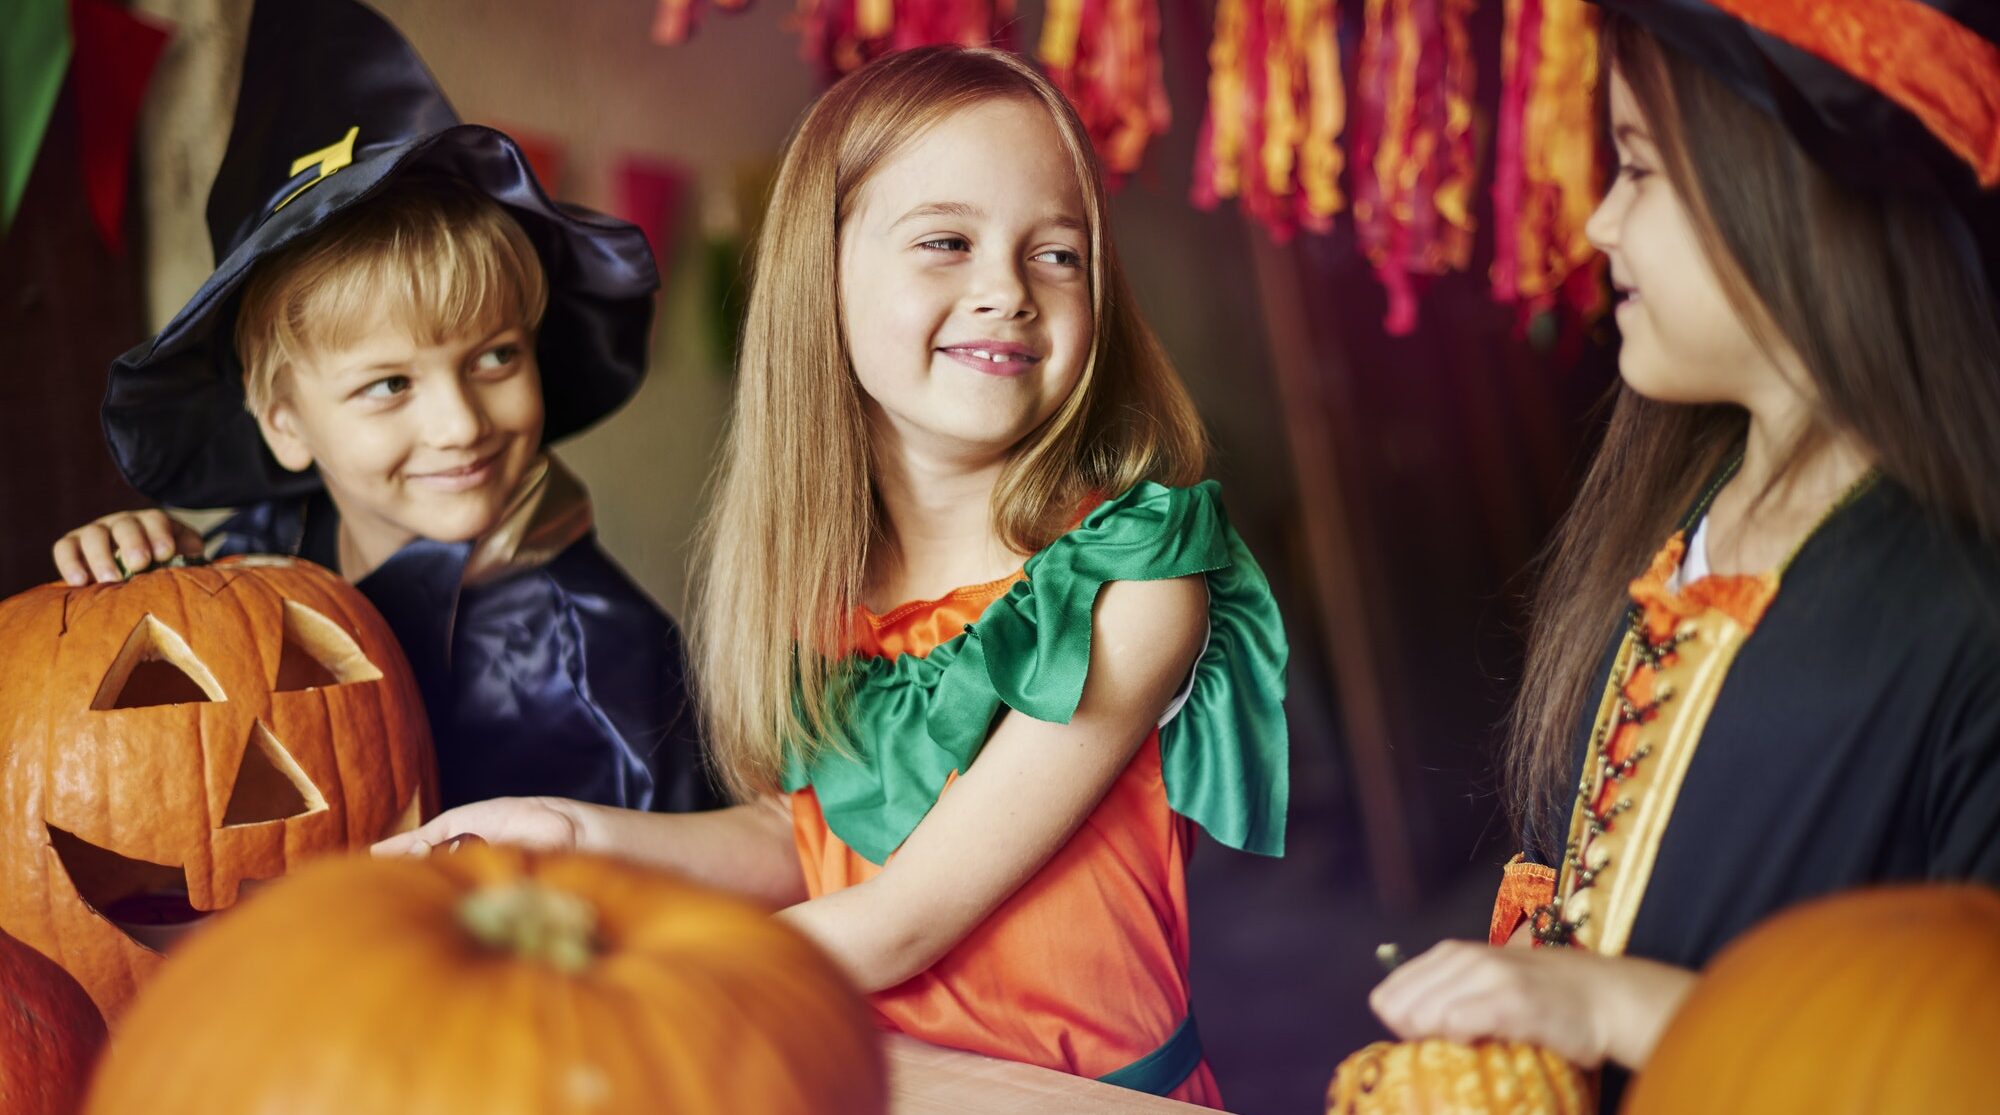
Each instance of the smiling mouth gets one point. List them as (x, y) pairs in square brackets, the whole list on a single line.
[(465, 476), (992, 361)]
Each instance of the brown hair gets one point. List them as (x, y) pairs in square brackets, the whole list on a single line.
[(784, 549), (436, 254), (1882, 314)]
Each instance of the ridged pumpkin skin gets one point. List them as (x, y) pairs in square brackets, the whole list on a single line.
[(116, 786), (358, 986), (1450, 1078), (1882, 1000), (49, 1034)]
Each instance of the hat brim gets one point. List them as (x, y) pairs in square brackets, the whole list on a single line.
[(174, 411)]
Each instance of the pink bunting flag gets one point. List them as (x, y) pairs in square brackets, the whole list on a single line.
[(116, 52)]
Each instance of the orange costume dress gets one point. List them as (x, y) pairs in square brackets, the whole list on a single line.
[(1084, 968)]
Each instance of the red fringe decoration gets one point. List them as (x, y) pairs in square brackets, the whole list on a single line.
[(840, 36), (1414, 131), (1105, 55), (1546, 178), (1276, 109), (674, 20)]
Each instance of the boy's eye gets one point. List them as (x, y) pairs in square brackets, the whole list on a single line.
[(1061, 257), (388, 387), (496, 358), (946, 244)]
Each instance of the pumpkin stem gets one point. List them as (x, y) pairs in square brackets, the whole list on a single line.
[(532, 920)]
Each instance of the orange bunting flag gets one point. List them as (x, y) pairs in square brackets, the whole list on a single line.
[(1415, 146), (1546, 174), (674, 20), (1276, 109), (1105, 55), (841, 35)]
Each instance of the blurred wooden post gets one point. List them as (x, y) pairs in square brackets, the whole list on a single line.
[(1356, 641)]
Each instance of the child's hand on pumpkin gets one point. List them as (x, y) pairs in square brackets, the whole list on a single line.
[(1584, 1007), (120, 544), (541, 824)]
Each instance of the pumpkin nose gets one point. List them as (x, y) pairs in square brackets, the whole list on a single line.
[(270, 784)]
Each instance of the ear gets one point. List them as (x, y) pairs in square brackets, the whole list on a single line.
[(280, 425)]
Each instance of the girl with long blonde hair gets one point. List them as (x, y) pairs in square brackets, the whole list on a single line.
[(975, 645)]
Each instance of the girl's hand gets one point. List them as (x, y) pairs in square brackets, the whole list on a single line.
[(1582, 1006), (134, 539), (542, 824)]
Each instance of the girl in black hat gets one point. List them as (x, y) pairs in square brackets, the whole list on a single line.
[(1765, 659), (399, 320)]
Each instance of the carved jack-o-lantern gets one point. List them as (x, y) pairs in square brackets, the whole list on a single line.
[(166, 741)]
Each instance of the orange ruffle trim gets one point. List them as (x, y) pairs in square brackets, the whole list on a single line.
[(1524, 887)]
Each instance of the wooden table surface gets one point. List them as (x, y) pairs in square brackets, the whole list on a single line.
[(926, 1079)]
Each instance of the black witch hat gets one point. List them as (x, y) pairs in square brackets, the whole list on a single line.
[(334, 105), (1893, 97)]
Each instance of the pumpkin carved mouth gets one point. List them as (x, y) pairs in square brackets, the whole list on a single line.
[(148, 902)]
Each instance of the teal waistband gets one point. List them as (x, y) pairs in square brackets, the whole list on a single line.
[(1162, 1070)]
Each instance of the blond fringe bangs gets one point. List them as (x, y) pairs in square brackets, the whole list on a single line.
[(433, 258)]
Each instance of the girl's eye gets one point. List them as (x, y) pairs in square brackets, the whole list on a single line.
[(1632, 171), (1062, 257), (946, 244), (388, 387), (497, 358)]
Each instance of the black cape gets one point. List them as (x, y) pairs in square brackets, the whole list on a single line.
[(1856, 739)]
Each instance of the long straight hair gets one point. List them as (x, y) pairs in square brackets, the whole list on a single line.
[(784, 551), (1900, 349)]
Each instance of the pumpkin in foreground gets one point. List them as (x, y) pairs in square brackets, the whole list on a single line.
[(1877, 1000), (1436, 1076), (492, 981), (166, 741), (49, 1034)]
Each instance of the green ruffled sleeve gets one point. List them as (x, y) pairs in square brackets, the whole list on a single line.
[(916, 720)]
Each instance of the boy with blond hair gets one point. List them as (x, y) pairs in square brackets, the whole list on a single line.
[(399, 322)]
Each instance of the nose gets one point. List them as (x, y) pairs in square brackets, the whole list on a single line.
[(455, 418), (1602, 227), (1000, 290)]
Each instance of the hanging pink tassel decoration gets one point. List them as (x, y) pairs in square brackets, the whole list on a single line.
[(1414, 145), (840, 36), (1276, 110), (1105, 55), (1546, 176), (674, 20)]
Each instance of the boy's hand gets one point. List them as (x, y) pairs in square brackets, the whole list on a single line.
[(136, 539)]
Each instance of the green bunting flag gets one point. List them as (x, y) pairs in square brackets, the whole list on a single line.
[(34, 55)]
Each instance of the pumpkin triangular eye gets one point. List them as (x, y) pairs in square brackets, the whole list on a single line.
[(155, 668), (270, 784), (318, 653)]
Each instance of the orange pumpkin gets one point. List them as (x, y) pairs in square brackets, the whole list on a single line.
[(1483, 1078), (497, 982), (1877, 1000), (166, 741), (49, 1034)]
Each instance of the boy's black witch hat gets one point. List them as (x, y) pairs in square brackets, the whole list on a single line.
[(1893, 97), (335, 104)]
